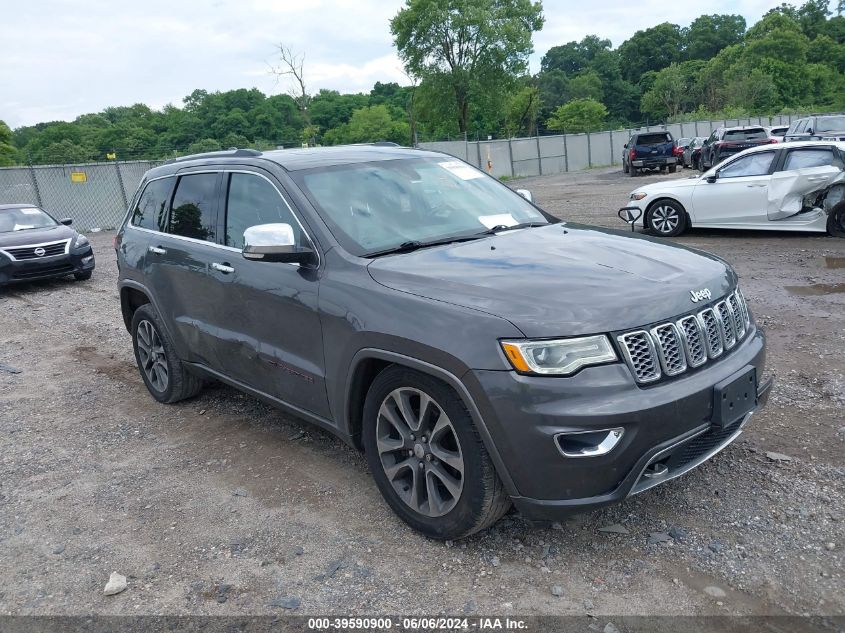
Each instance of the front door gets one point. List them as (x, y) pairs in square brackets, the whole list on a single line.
[(740, 193), (270, 337)]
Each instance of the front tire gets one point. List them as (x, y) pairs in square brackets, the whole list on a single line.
[(162, 371), (836, 220), (427, 457), (82, 276), (667, 218)]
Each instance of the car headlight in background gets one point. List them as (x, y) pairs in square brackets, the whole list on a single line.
[(638, 195), (81, 241), (560, 357)]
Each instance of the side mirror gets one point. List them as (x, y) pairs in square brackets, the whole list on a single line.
[(630, 215), (625, 146), (274, 243), (713, 177), (525, 194), (66, 221)]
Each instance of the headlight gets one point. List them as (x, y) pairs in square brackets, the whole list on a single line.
[(560, 357), (81, 241), (638, 195)]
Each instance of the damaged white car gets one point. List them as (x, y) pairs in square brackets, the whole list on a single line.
[(796, 186)]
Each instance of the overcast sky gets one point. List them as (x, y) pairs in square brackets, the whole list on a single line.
[(62, 58)]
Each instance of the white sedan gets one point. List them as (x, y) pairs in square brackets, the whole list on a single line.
[(796, 186)]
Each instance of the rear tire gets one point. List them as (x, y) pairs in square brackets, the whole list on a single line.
[(667, 218), (836, 220), (632, 171), (673, 169), (427, 457), (162, 371), (624, 167)]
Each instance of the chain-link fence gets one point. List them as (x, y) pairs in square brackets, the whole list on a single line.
[(543, 155), (95, 195)]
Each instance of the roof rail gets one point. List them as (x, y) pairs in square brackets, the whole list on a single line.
[(233, 152)]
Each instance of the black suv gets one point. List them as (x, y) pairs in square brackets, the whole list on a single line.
[(727, 141), (817, 128), (649, 150), (480, 351)]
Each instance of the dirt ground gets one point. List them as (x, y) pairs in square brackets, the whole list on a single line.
[(221, 505)]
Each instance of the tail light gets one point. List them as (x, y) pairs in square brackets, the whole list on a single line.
[(116, 241), (632, 153), (773, 140)]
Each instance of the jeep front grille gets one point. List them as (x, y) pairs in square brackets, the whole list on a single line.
[(670, 349)]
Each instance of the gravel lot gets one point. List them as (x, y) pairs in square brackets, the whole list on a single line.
[(221, 505)]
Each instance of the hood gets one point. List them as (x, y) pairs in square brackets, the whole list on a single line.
[(36, 236), (669, 185), (560, 280)]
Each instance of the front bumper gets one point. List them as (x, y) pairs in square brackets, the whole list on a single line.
[(670, 424), (76, 261)]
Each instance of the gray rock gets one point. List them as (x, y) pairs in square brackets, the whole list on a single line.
[(240, 492), (115, 585), (716, 592), (495, 561), (716, 546), (613, 529), (778, 457), (557, 591), (610, 628), (59, 549), (287, 602), (679, 534), (657, 537), (298, 551)]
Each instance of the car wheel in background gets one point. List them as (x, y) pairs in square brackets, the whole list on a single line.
[(427, 457), (632, 171), (836, 220), (624, 167), (673, 169), (82, 276), (163, 373), (666, 218)]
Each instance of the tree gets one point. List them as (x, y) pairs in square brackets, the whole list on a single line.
[(521, 112), (7, 149), (474, 45), (651, 49), (579, 115), (370, 124), (666, 96), (708, 34), (292, 66)]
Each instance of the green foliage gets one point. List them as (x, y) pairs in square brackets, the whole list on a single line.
[(370, 124), (709, 34), (471, 46), (579, 115), (651, 49), (7, 149), (521, 112)]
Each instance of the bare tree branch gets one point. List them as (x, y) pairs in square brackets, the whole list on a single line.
[(292, 68)]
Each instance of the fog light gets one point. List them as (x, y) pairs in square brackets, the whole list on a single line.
[(588, 443)]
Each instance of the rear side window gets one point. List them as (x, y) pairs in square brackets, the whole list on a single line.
[(757, 164), (800, 158), (830, 124), (151, 210), (194, 209), (253, 201), (751, 134), (654, 139)]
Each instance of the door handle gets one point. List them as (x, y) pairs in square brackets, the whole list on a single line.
[(157, 250), (757, 185), (223, 268), (817, 178)]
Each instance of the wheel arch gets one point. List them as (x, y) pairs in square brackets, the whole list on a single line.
[(131, 298), (369, 362), (669, 198)]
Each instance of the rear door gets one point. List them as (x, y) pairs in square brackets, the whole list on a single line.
[(740, 193), (800, 172), (177, 263), (269, 332)]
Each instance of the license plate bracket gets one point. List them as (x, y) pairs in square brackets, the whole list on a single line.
[(734, 397)]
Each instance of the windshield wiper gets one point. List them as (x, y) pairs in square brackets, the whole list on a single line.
[(511, 227), (413, 245)]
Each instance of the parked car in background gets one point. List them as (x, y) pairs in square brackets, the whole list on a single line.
[(727, 141), (34, 245), (353, 287), (692, 152), (680, 145), (777, 132), (783, 187), (649, 150), (817, 128)]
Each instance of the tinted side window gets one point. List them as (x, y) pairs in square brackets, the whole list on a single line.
[(752, 165), (801, 125), (193, 213), (151, 210), (798, 158), (253, 201)]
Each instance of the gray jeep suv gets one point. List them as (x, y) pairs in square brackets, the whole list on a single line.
[(481, 352)]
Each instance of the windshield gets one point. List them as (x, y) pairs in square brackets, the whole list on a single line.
[(751, 134), (22, 218), (377, 206), (831, 123)]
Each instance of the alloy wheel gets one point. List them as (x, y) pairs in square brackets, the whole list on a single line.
[(420, 452), (665, 219), (152, 356)]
